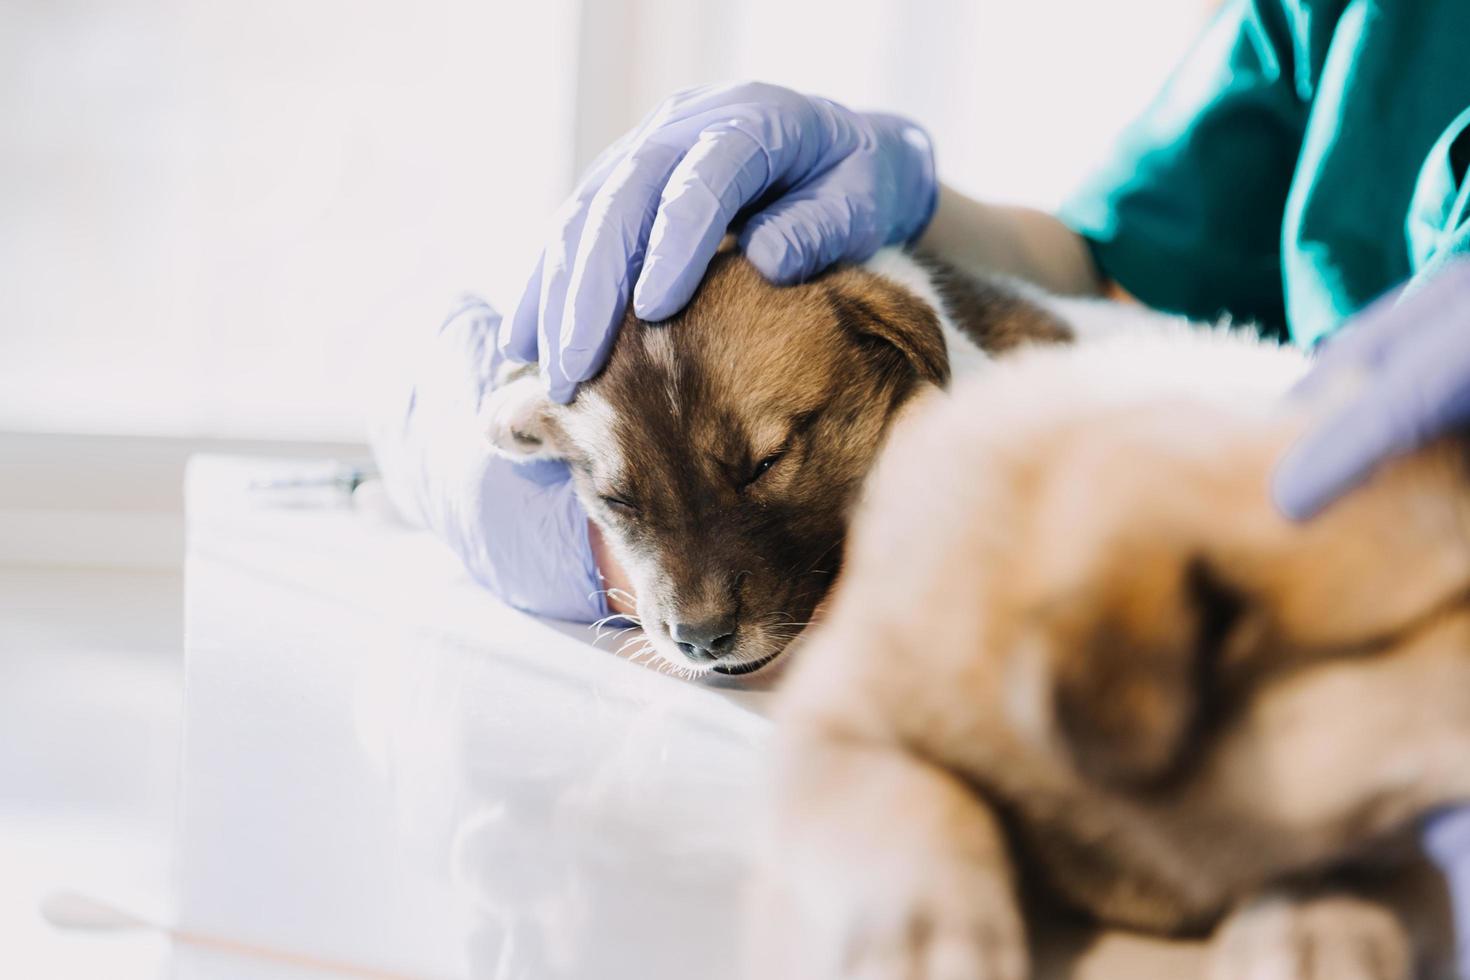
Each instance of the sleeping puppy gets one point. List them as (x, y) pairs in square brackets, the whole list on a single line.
[(719, 452), (1076, 657)]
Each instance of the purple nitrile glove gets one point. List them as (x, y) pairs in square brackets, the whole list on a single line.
[(518, 528), (1404, 364), (1447, 842), (830, 184)]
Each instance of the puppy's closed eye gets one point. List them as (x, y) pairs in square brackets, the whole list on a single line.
[(620, 505), (762, 468)]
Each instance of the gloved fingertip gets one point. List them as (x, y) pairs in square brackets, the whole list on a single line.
[(561, 392), (517, 337), (656, 298), (1325, 464), (655, 311), (510, 344), (1296, 495), (654, 303), (578, 364)]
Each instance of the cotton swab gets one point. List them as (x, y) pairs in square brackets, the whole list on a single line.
[(77, 912)]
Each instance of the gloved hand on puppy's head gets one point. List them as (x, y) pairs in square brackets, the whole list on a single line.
[(814, 184)]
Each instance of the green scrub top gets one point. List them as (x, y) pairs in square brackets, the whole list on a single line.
[(1307, 156)]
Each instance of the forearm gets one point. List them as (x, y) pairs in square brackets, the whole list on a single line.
[(1011, 240)]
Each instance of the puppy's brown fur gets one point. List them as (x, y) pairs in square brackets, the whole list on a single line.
[(1076, 647), (720, 452)]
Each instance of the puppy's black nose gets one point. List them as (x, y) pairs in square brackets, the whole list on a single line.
[(708, 640)]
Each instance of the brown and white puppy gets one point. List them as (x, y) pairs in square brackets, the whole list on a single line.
[(1075, 653), (720, 452)]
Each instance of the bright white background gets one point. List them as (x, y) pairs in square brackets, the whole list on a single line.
[(209, 210)]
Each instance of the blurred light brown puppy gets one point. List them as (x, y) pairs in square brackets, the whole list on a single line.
[(1075, 653)]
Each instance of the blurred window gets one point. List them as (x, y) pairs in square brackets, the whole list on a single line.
[(209, 211)]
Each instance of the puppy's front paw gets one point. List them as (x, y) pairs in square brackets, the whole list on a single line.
[(959, 923), (516, 420), (1329, 937), (944, 919)]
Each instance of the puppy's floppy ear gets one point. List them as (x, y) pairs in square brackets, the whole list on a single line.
[(517, 418), (901, 329), (1138, 663)]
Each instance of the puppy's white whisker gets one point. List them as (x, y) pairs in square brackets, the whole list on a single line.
[(597, 625)]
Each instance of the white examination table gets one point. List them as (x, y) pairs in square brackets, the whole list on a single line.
[(385, 767)]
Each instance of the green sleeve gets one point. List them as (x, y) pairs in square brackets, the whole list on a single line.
[(1438, 225), (1187, 213)]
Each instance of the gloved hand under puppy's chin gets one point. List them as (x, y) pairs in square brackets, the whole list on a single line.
[(518, 528), (524, 536), (833, 185)]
